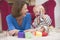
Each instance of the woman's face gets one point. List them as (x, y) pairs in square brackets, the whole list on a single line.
[(24, 10)]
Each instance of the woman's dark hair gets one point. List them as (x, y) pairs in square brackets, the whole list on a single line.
[(17, 7)]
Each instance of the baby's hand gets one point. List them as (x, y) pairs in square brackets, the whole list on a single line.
[(41, 29), (38, 20)]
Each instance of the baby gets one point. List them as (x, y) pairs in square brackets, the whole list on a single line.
[(42, 20)]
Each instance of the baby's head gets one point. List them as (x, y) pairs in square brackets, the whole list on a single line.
[(38, 9), (42, 10)]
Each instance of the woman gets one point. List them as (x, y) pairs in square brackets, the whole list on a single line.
[(20, 19)]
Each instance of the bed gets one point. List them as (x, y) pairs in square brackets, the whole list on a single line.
[(53, 35)]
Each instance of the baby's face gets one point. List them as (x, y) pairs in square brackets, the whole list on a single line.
[(36, 11)]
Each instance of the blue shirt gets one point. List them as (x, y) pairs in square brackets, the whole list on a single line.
[(12, 23)]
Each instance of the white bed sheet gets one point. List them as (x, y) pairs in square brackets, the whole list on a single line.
[(53, 35)]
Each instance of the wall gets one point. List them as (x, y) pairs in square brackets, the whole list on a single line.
[(57, 13), (10, 1), (38, 2)]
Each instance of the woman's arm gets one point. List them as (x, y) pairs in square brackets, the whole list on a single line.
[(28, 22), (11, 28), (10, 23)]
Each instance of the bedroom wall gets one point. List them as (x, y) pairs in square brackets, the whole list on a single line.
[(57, 13), (40, 2)]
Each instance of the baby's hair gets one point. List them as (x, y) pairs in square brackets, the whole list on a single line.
[(41, 9)]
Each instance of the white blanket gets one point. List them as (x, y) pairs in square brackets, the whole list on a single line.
[(53, 35)]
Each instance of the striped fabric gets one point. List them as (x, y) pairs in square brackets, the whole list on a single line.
[(46, 22)]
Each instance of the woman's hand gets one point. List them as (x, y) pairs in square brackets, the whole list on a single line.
[(13, 32)]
